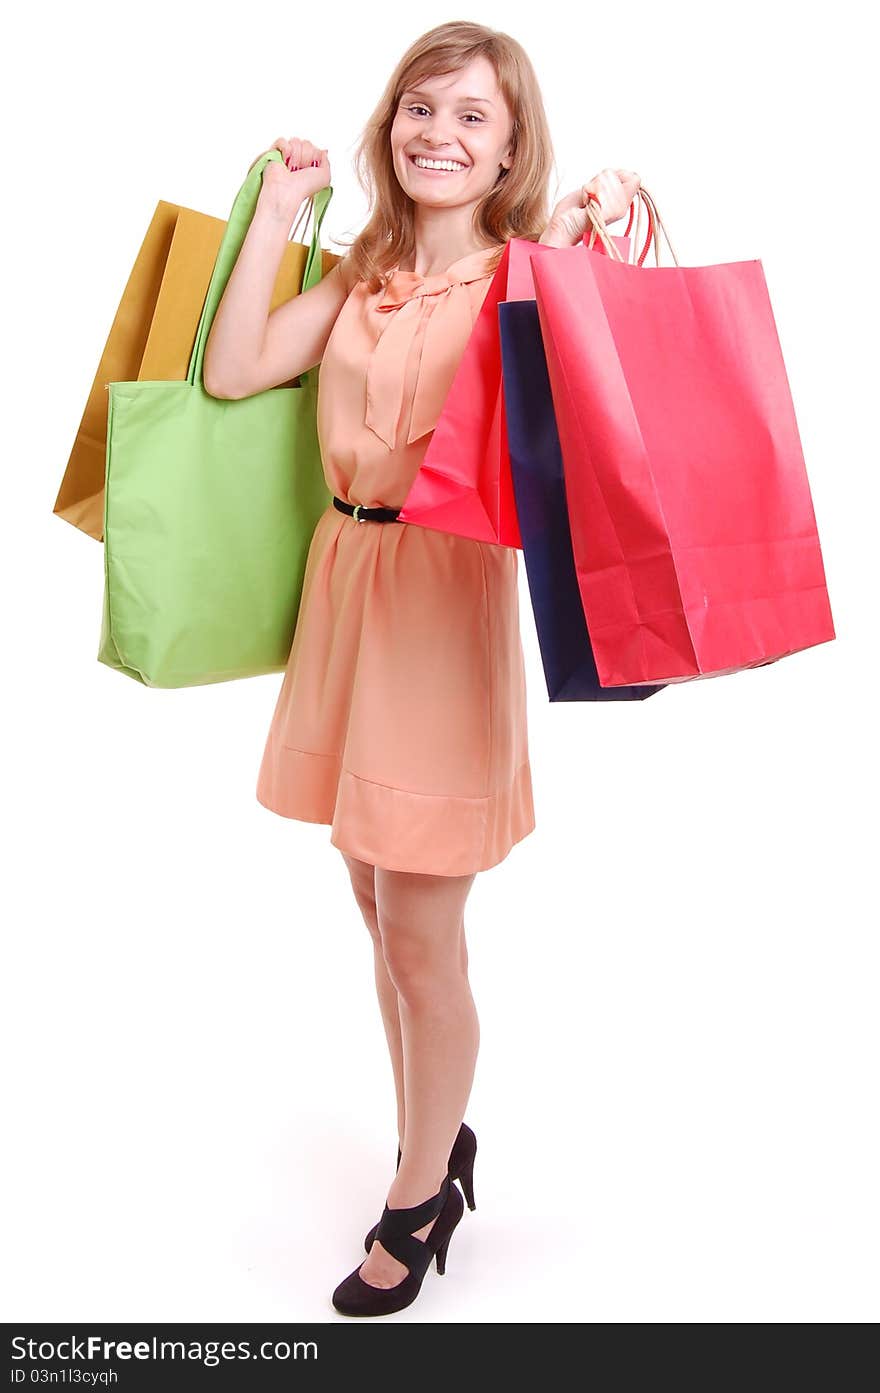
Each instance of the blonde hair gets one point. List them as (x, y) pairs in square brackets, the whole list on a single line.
[(516, 205)]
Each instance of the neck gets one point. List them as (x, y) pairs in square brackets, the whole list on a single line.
[(442, 237)]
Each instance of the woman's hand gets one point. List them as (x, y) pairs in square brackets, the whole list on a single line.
[(615, 190), (302, 170)]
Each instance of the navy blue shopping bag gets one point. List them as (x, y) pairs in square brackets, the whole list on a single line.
[(542, 511)]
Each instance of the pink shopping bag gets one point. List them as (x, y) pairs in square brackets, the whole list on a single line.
[(692, 522)]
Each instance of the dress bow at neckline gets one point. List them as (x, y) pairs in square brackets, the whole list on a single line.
[(404, 286)]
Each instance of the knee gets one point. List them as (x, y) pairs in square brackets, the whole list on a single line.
[(363, 885), (412, 973), (423, 977), (367, 906)]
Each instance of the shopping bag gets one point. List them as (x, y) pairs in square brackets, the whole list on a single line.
[(692, 523), (463, 484), (539, 489), (152, 337), (210, 507)]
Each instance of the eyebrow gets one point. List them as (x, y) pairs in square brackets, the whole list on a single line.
[(417, 92)]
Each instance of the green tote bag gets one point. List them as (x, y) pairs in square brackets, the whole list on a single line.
[(210, 506)]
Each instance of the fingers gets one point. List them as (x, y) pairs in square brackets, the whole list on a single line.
[(302, 154), (295, 153), (613, 178), (630, 182)]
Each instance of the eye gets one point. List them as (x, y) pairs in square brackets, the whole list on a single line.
[(417, 106)]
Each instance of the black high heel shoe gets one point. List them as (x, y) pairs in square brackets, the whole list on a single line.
[(395, 1230), (461, 1167)]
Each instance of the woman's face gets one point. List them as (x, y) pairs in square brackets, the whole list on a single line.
[(459, 117)]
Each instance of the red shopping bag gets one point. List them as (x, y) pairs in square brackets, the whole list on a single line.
[(691, 518), (464, 484)]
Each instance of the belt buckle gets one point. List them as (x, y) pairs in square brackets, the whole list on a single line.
[(357, 507)]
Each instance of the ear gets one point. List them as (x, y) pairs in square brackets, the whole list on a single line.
[(507, 157)]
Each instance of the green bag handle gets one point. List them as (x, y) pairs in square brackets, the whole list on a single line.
[(240, 218)]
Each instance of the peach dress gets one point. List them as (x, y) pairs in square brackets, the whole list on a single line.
[(401, 719)]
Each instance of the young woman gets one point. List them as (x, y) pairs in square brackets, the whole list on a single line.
[(401, 720)]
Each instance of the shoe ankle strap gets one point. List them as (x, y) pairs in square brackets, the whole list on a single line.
[(396, 1226)]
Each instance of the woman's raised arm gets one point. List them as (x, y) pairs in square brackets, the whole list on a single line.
[(249, 349)]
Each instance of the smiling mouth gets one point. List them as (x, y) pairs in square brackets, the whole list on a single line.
[(423, 169)]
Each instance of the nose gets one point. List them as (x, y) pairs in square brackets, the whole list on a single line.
[(434, 135)]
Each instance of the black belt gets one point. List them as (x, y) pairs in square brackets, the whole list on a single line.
[(362, 514)]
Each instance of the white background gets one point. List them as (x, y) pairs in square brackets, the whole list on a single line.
[(676, 973)]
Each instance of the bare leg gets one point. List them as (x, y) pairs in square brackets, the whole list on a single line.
[(362, 881), (421, 926)]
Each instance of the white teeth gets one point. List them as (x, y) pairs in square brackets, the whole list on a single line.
[(451, 165)]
